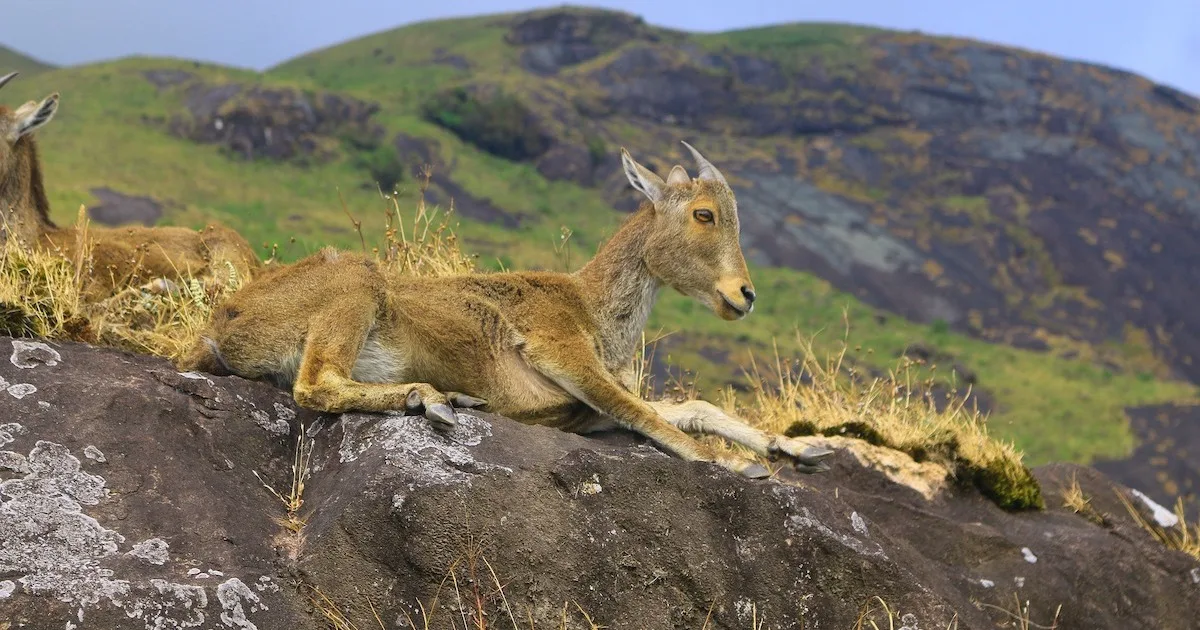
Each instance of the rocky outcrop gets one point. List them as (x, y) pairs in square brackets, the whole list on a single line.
[(1009, 194), (135, 496), (552, 40), (493, 119), (253, 121), (1165, 463), (120, 209)]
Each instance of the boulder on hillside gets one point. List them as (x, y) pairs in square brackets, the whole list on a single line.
[(490, 117), (133, 496), (554, 39), (274, 123)]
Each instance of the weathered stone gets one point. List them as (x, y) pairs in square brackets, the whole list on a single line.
[(492, 119), (556, 39), (119, 209), (273, 123), (134, 496)]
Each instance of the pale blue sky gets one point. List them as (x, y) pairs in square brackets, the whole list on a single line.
[(1156, 38)]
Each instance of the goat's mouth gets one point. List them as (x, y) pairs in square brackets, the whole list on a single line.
[(730, 310)]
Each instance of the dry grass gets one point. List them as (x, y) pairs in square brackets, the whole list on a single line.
[(827, 397), (293, 500), (1183, 536), (1018, 616), (426, 246), (811, 396), (478, 601), (867, 617), (474, 600), (1075, 500), (290, 541), (41, 295), (41, 291)]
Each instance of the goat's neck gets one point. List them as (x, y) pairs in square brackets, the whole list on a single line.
[(620, 290), (22, 191)]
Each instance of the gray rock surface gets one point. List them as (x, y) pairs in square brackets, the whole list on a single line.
[(133, 496)]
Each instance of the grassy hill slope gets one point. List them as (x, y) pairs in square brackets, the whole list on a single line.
[(11, 60), (118, 128)]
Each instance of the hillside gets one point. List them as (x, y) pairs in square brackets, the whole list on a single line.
[(1021, 221), (11, 60)]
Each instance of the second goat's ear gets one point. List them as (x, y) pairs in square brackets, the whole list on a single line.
[(678, 176), (32, 116), (641, 178)]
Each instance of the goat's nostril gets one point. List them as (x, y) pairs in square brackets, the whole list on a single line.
[(748, 293)]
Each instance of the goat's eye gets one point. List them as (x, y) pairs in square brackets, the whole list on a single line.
[(703, 216), (231, 313)]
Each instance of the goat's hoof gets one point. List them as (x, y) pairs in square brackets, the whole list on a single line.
[(812, 455), (441, 415), (804, 457), (813, 469), (465, 401), (756, 471)]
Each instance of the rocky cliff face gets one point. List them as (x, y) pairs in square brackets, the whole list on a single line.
[(259, 122), (1020, 198), (1013, 195), (134, 496)]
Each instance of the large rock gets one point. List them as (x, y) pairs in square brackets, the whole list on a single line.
[(552, 40), (253, 121), (134, 496)]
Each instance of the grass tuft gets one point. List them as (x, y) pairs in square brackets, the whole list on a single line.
[(1182, 536), (39, 295), (828, 398), (867, 617), (1019, 617)]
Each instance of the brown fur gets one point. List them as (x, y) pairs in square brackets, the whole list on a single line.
[(543, 348), (120, 257)]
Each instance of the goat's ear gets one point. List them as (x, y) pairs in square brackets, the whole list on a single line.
[(641, 178), (32, 116), (678, 176)]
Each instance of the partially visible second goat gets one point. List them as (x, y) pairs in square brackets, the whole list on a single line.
[(120, 257)]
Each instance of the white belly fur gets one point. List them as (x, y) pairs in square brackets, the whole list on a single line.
[(377, 363)]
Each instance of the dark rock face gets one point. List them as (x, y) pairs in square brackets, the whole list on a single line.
[(470, 206), (119, 209), (127, 503), (1009, 194), (555, 39), (1165, 464), (166, 78), (274, 123), (132, 493), (492, 119)]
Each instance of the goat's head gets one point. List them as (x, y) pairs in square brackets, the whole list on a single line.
[(19, 123), (693, 245)]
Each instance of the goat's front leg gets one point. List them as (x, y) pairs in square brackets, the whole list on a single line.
[(331, 348), (576, 369), (698, 416)]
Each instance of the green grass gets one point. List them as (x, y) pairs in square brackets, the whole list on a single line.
[(1053, 408)]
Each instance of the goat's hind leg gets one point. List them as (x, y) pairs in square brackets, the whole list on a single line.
[(332, 347), (698, 416)]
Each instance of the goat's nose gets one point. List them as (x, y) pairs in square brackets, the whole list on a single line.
[(748, 293)]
